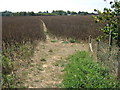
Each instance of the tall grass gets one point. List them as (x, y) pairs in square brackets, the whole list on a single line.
[(22, 29), (76, 27)]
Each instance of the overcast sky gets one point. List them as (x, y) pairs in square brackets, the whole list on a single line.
[(44, 5)]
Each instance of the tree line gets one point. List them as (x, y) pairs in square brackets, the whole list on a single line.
[(45, 13)]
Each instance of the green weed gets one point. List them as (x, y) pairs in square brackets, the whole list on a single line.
[(72, 41), (53, 40), (82, 72), (65, 42)]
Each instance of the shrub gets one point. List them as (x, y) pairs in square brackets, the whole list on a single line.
[(7, 77), (6, 65), (82, 72)]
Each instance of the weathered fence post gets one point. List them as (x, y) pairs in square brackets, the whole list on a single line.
[(98, 48), (90, 43), (110, 41), (110, 44)]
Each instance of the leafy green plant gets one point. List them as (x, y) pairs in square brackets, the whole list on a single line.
[(10, 54), (6, 65), (82, 72), (25, 51), (65, 42), (111, 18), (7, 77), (7, 81), (53, 40), (72, 41)]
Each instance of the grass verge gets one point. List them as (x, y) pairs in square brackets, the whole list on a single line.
[(82, 72)]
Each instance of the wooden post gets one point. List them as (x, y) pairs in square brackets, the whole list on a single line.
[(98, 48), (110, 41), (90, 44), (110, 44)]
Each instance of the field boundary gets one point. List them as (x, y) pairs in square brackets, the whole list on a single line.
[(106, 55)]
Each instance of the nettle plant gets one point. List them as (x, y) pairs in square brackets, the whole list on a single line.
[(111, 19)]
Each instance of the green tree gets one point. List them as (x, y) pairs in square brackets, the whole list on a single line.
[(68, 12), (79, 12), (59, 12), (6, 13), (112, 19), (73, 13), (31, 13)]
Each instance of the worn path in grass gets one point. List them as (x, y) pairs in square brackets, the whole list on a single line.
[(48, 62)]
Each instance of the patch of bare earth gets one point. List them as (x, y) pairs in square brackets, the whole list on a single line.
[(49, 58)]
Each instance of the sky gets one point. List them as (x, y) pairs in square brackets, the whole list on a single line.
[(50, 5)]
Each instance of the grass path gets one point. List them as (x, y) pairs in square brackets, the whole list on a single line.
[(48, 62)]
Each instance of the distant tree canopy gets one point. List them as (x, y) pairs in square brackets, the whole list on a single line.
[(45, 13)]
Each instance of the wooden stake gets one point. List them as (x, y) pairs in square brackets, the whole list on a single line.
[(90, 44)]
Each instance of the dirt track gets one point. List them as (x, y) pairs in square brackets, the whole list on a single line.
[(48, 62)]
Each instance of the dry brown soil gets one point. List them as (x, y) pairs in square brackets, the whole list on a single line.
[(46, 70)]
